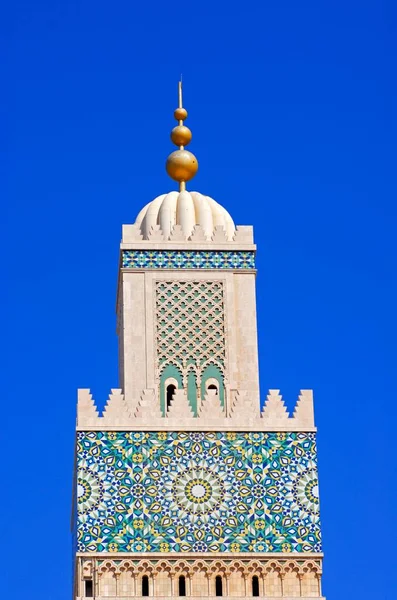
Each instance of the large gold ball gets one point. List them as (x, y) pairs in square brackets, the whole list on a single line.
[(181, 165), (181, 135), (180, 114)]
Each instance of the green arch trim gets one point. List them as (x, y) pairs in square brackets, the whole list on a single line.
[(212, 372), (169, 371)]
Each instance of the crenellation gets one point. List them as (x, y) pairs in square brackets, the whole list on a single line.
[(243, 407), (219, 235), (148, 407), (155, 234), (180, 407), (131, 233), (244, 234), (87, 413), (304, 409), (274, 409), (116, 410), (211, 409), (198, 235), (243, 412)]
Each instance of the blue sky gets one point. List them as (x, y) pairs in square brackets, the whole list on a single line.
[(293, 112)]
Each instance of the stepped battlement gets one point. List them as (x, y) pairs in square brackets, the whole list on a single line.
[(239, 414)]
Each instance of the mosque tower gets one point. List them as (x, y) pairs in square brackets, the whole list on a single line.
[(183, 487)]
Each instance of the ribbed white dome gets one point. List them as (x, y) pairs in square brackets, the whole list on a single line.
[(186, 209)]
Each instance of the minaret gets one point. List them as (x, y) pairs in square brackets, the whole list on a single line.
[(183, 487)]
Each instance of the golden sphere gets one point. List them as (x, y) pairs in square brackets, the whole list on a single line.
[(181, 135), (180, 114), (181, 165)]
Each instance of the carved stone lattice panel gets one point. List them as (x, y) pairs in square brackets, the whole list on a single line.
[(190, 325)]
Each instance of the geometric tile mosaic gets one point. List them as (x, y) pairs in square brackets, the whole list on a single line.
[(197, 492), (187, 259)]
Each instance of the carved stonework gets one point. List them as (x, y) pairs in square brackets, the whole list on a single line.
[(190, 328), (274, 578), (243, 413)]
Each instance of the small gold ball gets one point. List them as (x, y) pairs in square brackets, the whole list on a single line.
[(181, 135), (181, 165), (180, 114)]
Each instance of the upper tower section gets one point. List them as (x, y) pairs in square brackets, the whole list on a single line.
[(186, 317), (186, 301)]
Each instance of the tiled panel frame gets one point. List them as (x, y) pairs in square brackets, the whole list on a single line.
[(197, 492)]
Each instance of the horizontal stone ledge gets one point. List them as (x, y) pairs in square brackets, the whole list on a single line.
[(195, 269), (187, 245), (181, 426), (263, 556)]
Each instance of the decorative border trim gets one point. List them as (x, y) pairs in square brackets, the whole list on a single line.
[(188, 259)]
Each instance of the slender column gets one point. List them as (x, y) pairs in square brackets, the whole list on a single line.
[(97, 591), (94, 572), (117, 577), (153, 578), (246, 585), (80, 579), (300, 577), (172, 576), (150, 582), (263, 580), (227, 577), (209, 583), (134, 584), (189, 585), (198, 387), (281, 575), (318, 575)]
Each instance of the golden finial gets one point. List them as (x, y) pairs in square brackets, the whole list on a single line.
[(181, 165)]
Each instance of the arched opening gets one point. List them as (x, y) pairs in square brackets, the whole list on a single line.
[(89, 591), (169, 377), (145, 585), (218, 586), (255, 586), (212, 382), (182, 586), (170, 392)]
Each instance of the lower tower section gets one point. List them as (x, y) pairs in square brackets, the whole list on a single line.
[(230, 512)]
